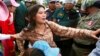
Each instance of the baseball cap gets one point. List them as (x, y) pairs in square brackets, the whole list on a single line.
[(4, 13), (11, 2), (70, 1), (52, 1)]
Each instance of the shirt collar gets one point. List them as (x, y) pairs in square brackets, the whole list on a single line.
[(46, 25)]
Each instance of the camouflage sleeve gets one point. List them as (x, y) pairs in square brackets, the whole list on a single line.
[(96, 21), (96, 24), (67, 31)]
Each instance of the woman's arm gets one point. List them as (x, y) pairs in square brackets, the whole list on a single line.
[(20, 47), (20, 39), (71, 32)]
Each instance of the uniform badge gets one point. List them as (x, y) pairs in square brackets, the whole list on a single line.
[(90, 23), (60, 14)]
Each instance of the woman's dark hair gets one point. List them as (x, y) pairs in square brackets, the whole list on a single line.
[(34, 52), (31, 15)]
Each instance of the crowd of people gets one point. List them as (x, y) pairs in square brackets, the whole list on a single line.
[(58, 29)]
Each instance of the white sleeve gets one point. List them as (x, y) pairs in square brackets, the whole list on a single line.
[(4, 36)]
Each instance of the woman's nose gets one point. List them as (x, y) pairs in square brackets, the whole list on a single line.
[(44, 15)]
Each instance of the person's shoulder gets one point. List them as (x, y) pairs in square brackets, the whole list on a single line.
[(98, 13), (50, 22), (75, 11), (47, 10), (60, 10)]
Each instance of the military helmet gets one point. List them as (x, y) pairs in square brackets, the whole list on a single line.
[(97, 4), (87, 3)]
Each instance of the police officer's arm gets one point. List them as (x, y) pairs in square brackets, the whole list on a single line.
[(74, 17), (96, 24), (71, 32)]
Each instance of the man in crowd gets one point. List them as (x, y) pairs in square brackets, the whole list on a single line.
[(19, 18), (82, 47), (51, 9), (66, 16), (58, 4), (30, 3)]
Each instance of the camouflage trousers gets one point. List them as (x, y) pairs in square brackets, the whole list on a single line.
[(77, 51)]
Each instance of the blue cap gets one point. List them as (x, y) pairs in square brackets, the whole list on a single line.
[(45, 47)]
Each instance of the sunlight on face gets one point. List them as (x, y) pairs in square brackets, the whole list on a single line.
[(41, 15)]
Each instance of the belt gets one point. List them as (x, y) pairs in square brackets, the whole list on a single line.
[(91, 46)]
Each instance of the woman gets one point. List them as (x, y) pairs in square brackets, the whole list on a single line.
[(41, 29), (7, 8), (8, 28)]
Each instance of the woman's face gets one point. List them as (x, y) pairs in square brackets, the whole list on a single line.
[(11, 8), (41, 16)]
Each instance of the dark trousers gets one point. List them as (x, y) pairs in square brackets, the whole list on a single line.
[(65, 46)]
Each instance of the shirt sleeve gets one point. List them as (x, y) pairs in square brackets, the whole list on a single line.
[(96, 24), (20, 42), (67, 31), (20, 47), (4, 36)]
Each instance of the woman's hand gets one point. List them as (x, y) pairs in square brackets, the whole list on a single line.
[(95, 33)]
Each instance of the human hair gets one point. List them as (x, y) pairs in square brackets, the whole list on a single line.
[(32, 14), (34, 52)]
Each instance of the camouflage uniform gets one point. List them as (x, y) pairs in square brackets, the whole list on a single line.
[(82, 47)]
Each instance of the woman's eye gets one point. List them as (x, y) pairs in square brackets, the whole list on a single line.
[(40, 12)]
